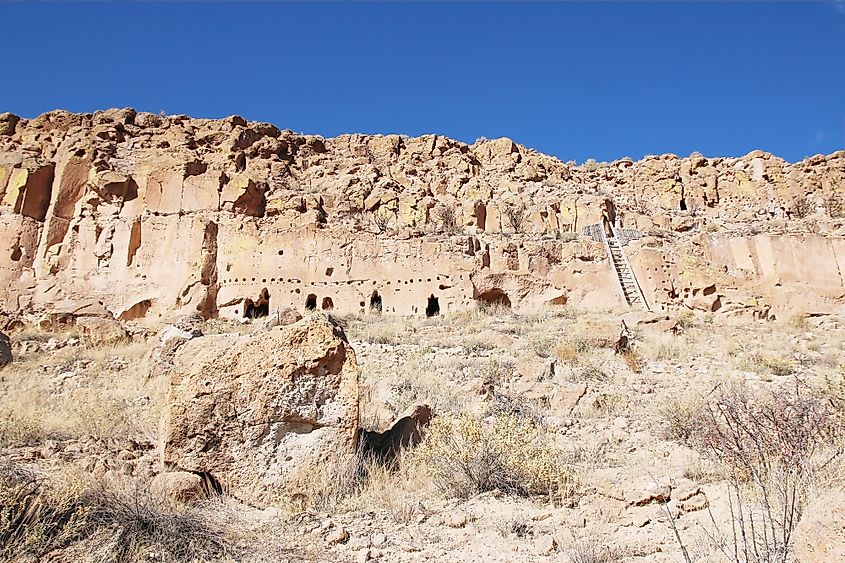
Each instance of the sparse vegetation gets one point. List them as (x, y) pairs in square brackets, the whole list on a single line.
[(447, 217), (516, 218), (42, 515), (465, 455)]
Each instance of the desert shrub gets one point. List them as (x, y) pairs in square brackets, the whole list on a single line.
[(634, 360), (593, 551), (328, 485), (773, 448), (40, 514), (765, 364), (381, 221), (516, 218), (474, 345), (835, 206), (679, 419), (801, 207), (465, 456), (448, 219), (572, 350), (20, 429)]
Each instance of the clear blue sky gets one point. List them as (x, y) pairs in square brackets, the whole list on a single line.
[(601, 80)]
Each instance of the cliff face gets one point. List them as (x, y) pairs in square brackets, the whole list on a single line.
[(154, 216)]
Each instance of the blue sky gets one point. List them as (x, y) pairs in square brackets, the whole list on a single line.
[(577, 80)]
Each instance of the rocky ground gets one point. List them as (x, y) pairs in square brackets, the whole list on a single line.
[(561, 435)]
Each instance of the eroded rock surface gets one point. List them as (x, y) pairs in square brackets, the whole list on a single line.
[(165, 216), (254, 413)]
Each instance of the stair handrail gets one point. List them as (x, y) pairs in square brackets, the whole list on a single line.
[(630, 269), (613, 265)]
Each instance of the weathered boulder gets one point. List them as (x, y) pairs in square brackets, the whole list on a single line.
[(5, 350), (179, 485), (820, 535), (254, 413), (97, 331)]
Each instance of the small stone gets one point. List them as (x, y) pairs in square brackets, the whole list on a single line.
[(379, 540), (363, 555), (545, 545), (457, 519), (336, 536)]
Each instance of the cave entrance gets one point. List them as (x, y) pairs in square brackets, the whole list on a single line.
[(310, 302), (328, 304), (433, 307), (375, 302), (495, 297)]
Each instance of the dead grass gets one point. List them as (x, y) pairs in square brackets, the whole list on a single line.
[(87, 520), (465, 456)]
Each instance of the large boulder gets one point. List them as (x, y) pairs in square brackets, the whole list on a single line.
[(257, 413), (820, 535)]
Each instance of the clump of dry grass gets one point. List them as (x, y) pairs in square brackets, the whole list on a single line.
[(573, 350), (86, 520), (634, 360), (465, 455)]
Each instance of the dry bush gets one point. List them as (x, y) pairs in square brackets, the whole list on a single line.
[(448, 219), (20, 428), (573, 350), (328, 485), (774, 448), (680, 418), (381, 221), (768, 364), (464, 456), (634, 360), (835, 206), (593, 551), (801, 207), (40, 515), (516, 218), (664, 348)]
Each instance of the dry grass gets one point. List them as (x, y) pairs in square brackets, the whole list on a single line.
[(87, 520), (465, 456), (99, 394)]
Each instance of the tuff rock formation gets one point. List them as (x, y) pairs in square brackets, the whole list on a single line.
[(253, 413), (159, 216)]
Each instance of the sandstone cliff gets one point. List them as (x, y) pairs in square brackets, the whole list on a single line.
[(153, 216)]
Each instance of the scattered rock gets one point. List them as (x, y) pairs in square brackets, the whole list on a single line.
[(336, 536)]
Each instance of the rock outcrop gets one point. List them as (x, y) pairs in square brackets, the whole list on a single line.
[(252, 412), (164, 216)]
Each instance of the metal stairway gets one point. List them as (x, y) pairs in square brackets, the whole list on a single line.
[(628, 284)]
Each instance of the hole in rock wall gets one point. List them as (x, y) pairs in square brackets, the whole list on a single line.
[(375, 302), (259, 308), (16, 253), (433, 307), (310, 302), (136, 311), (329, 271), (683, 204), (495, 296), (328, 304)]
